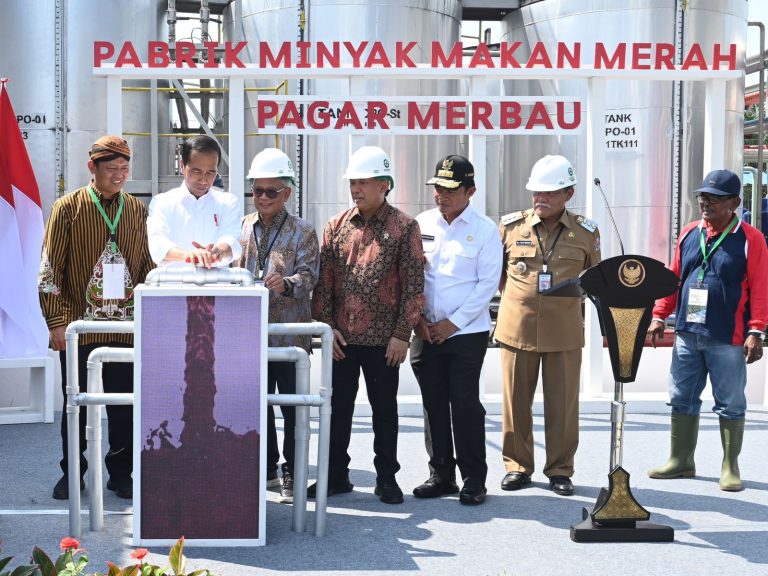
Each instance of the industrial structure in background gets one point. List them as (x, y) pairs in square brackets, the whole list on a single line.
[(654, 149)]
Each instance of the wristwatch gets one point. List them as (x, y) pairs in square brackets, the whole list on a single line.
[(759, 333)]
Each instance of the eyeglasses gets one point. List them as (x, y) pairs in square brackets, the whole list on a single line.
[(705, 198), (270, 192)]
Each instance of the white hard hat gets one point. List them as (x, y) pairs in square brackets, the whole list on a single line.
[(551, 173), (369, 162), (271, 163)]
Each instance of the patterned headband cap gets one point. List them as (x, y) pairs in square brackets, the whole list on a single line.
[(109, 146)]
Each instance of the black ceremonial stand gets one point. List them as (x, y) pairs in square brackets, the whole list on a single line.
[(623, 289)]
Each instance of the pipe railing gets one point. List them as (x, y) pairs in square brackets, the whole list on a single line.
[(303, 400)]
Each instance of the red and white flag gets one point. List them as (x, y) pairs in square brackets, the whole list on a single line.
[(23, 332)]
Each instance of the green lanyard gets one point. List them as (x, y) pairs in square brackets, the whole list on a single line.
[(111, 225), (703, 246)]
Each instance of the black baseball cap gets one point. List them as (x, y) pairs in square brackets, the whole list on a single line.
[(453, 171), (721, 183)]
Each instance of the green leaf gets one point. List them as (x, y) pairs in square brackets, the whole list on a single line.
[(130, 571), (199, 573), (176, 557), (4, 562), (61, 561), (44, 562), (114, 569), (24, 570)]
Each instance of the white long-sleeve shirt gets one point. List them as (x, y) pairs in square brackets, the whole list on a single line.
[(177, 218), (464, 260)]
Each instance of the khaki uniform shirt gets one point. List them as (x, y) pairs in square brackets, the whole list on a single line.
[(528, 320)]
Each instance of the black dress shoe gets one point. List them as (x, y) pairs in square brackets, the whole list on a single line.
[(561, 485), (472, 494), (389, 492), (341, 487), (61, 490), (515, 481), (434, 487), (121, 488)]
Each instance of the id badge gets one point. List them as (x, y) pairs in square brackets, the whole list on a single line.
[(544, 280), (114, 281), (697, 305)]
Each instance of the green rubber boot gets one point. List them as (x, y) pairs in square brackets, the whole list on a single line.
[(684, 434), (731, 436)]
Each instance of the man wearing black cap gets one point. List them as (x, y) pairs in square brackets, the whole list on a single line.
[(95, 251), (464, 256), (721, 314)]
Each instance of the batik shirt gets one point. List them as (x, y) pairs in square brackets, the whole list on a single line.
[(294, 253), (74, 249), (371, 285)]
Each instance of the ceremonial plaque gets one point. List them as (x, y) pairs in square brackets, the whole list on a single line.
[(624, 290), (199, 415)]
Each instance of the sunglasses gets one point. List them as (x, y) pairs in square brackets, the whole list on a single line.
[(712, 198), (270, 192)]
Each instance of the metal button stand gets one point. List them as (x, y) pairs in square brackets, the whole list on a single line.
[(302, 400)]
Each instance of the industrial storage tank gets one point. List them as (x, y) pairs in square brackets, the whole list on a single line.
[(324, 158), (48, 58), (648, 181)]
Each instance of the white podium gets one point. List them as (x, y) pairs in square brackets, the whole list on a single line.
[(200, 399)]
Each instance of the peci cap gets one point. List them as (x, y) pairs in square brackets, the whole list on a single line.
[(453, 171), (109, 146), (721, 183)]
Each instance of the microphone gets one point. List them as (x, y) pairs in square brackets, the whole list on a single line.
[(616, 228)]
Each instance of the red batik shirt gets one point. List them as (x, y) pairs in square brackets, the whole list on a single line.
[(371, 284)]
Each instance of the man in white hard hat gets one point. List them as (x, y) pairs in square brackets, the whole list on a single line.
[(195, 222), (371, 292), (463, 254), (542, 247), (282, 250)]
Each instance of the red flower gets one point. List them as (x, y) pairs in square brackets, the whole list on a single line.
[(69, 543), (139, 553)]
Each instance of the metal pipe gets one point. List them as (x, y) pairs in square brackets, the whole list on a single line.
[(94, 400), (618, 410), (301, 439), (323, 449), (205, 17), (199, 275), (171, 21), (75, 399), (72, 390), (757, 188)]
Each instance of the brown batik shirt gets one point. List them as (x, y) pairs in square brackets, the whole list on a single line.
[(371, 284), (75, 240), (288, 247)]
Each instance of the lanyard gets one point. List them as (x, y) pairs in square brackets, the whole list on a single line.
[(111, 225), (546, 255), (263, 263), (703, 246)]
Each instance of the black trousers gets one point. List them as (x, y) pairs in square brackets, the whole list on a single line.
[(449, 378), (281, 376), (381, 383), (117, 377)]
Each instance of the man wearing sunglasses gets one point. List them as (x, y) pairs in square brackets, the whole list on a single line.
[(195, 223), (721, 314), (283, 251)]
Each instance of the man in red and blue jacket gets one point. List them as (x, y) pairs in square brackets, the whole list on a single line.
[(722, 311)]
